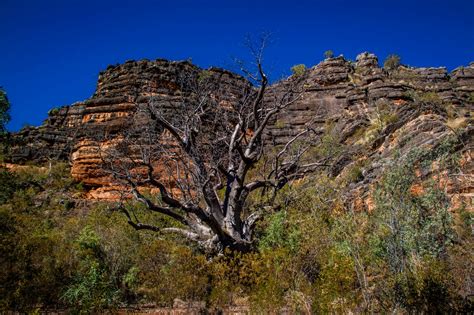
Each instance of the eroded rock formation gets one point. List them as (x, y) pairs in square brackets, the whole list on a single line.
[(421, 108)]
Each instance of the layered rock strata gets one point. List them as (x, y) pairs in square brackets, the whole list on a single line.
[(340, 98)]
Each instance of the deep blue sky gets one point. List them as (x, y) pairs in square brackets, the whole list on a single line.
[(52, 51)]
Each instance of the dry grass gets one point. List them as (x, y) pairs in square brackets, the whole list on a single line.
[(457, 123)]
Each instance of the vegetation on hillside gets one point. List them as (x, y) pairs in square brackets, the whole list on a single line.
[(298, 70), (328, 54), (4, 110), (317, 254), (392, 62)]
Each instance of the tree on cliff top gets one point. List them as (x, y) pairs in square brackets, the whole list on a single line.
[(4, 110), (213, 155)]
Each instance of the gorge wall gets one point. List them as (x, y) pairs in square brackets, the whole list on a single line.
[(367, 111)]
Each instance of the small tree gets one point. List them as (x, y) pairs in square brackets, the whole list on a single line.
[(298, 70), (4, 110), (202, 160), (392, 62), (414, 224), (328, 54)]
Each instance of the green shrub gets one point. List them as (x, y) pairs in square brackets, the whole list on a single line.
[(204, 76), (355, 173), (409, 230), (382, 114), (4, 110), (8, 185), (279, 124), (298, 70), (168, 271), (392, 62), (53, 111), (92, 289), (428, 97), (329, 145), (278, 233), (315, 255), (328, 54)]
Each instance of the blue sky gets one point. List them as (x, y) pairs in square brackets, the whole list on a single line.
[(52, 51)]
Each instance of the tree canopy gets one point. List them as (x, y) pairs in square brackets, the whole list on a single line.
[(4, 110)]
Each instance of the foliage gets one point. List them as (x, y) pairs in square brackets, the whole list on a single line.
[(280, 124), (29, 243), (433, 101), (411, 225), (53, 111), (355, 173), (168, 271), (315, 253), (298, 70), (277, 234), (379, 117), (329, 145), (47, 257), (413, 232), (328, 54), (4, 110), (204, 76), (392, 62), (470, 98), (91, 288)]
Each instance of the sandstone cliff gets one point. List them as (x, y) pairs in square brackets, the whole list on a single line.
[(369, 113)]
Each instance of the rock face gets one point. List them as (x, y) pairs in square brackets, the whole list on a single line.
[(345, 99), (75, 132), (121, 90)]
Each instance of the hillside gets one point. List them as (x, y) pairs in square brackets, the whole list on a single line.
[(384, 225), (369, 112)]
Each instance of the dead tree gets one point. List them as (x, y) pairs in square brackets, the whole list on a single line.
[(200, 165)]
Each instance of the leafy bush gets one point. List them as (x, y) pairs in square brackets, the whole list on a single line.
[(298, 70), (278, 234), (381, 115), (392, 62), (328, 54), (53, 111), (413, 231), (168, 271), (92, 289), (204, 76), (411, 225), (315, 255), (46, 258), (4, 110)]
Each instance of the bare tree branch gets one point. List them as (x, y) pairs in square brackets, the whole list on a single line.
[(199, 158)]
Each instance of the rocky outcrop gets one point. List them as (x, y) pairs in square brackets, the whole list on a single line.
[(75, 132), (375, 114), (54, 140), (341, 98)]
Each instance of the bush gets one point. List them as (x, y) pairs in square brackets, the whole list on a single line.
[(278, 234), (168, 271), (425, 289), (315, 255), (46, 257), (4, 110), (381, 115), (53, 111), (204, 76), (392, 62), (328, 54), (92, 289), (298, 70)]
